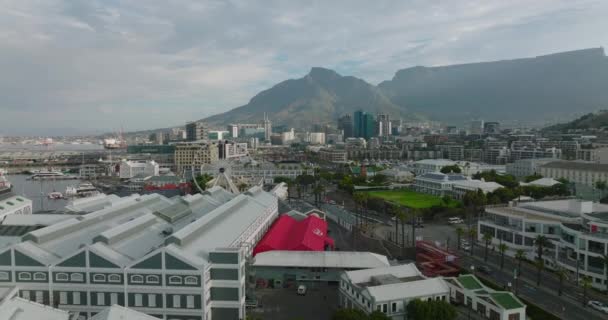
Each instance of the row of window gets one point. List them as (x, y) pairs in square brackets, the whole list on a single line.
[(138, 299), (112, 278)]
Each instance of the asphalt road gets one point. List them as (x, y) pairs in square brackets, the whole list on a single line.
[(568, 306)]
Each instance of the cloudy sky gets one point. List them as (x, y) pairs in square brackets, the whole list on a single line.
[(88, 65)]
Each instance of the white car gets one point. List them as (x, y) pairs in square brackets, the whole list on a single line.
[(455, 220), (598, 306), (302, 290)]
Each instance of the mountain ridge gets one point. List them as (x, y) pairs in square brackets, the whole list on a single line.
[(547, 87)]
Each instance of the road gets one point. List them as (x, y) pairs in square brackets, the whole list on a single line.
[(568, 306)]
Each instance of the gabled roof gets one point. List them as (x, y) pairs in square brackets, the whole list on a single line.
[(117, 312)]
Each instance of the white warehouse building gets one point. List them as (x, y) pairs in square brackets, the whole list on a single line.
[(129, 169)]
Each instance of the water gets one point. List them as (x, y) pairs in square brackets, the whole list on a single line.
[(38, 190), (53, 147)]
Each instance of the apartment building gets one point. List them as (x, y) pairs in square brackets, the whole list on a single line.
[(195, 154), (526, 167), (333, 155), (577, 231), (172, 258), (586, 173)]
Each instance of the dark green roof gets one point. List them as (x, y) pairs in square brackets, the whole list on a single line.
[(506, 300), (469, 282)]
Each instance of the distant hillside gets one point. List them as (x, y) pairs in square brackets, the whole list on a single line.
[(597, 120), (319, 97), (546, 87)]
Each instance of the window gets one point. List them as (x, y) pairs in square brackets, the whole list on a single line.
[(25, 276), (190, 302), (40, 276), (394, 307), (40, 297), (75, 297), (152, 279), (177, 303), (139, 300), (384, 307), (99, 278), (101, 299), (62, 277), (152, 300), (63, 297), (113, 298), (25, 294), (175, 280), (137, 279), (191, 280), (113, 278), (77, 277), (3, 276)]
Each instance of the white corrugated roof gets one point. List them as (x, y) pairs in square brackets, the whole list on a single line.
[(117, 312), (321, 259), (400, 271), (21, 309), (408, 290), (35, 219)]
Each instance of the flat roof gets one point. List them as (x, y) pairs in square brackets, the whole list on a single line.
[(321, 259), (469, 282), (577, 165), (411, 289), (506, 300)]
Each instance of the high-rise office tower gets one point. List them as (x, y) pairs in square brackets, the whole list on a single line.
[(384, 125), (345, 123), (364, 125), (196, 130), (267, 127)]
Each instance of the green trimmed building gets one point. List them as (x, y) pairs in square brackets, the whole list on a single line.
[(467, 290), (178, 258)]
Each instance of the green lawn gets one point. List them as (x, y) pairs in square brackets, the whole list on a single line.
[(410, 198)]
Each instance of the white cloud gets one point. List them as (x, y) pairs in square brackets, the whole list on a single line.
[(145, 64)]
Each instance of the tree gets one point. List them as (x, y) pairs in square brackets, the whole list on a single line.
[(541, 242), (202, 180), (451, 169), (520, 255), (402, 216), (605, 262), (349, 314), (414, 214), (561, 275), (601, 185), (487, 239), (459, 233), (242, 186), (502, 248), (473, 236), (586, 283), (430, 310), (532, 177), (540, 265), (378, 315), (318, 191), (278, 180)]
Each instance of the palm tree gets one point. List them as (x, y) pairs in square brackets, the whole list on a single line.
[(586, 283), (561, 275), (540, 265), (473, 236), (502, 248), (487, 239), (402, 217), (601, 185), (318, 191), (289, 189), (541, 242), (414, 214), (358, 197), (459, 233), (605, 262), (520, 255)]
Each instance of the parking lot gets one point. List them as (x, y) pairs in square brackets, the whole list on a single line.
[(320, 302)]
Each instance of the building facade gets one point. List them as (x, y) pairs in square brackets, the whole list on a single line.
[(577, 232), (333, 155), (194, 154), (197, 130), (179, 258), (577, 172), (526, 167), (130, 169)]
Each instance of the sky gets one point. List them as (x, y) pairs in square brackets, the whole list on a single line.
[(87, 66)]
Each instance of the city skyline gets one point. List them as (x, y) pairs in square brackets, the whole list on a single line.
[(98, 66)]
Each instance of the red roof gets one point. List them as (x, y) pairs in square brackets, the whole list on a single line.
[(286, 233)]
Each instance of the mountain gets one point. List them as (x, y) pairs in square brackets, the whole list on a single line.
[(319, 97), (546, 88), (589, 121)]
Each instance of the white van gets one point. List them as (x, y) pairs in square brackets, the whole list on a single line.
[(302, 290)]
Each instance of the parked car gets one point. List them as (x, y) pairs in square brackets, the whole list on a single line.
[(455, 220), (465, 247), (485, 269), (302, 290), (597, 305)]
